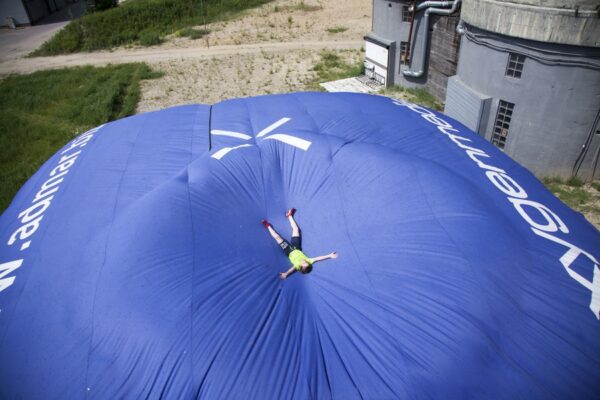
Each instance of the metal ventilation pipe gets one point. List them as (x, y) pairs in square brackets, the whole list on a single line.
[(427, 4), (437, 11)]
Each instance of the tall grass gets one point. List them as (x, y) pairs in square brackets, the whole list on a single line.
[(41, 112), (138, 21)]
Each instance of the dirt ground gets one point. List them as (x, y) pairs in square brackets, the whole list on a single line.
[(301, 25), (235, 75)]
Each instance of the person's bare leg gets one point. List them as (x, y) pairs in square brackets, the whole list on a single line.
[(293, 224), (275, 235), (272, 231)]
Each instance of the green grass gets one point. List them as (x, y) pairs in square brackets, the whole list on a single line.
[(41, 112), (332, 67), (337, 29), (138, 21), (575, 193), (414, 95), (192, 33)]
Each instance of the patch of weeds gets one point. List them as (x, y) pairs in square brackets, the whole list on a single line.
[(149, 38), (337, 29), (332, 67), (192, 33), (574, 197), (574, 182), (414, 95), (302, 6), (576, 194)]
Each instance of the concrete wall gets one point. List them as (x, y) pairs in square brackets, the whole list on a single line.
[(556, 99), (437, 56), (387, 23), (15, 9), (572, 22)]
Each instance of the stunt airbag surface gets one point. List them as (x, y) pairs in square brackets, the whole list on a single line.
[(133, 264)]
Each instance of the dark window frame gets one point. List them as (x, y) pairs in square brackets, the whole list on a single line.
[(403, 49), (514, 65), (405, 9), (502, 123)]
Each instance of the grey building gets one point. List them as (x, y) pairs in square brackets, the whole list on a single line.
[(528, 80), (28, 12), (422, 47), (527, 75)]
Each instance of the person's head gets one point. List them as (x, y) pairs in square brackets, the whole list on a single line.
[(305, 267)]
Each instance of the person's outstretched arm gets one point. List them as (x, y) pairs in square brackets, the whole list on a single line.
[(325, 257), (284, 275)]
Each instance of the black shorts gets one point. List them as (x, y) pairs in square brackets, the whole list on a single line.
[(287, 247)]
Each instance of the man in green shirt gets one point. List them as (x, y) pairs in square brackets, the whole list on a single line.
[(293, 250)]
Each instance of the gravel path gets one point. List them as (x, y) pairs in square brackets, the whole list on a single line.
[(158, 54)]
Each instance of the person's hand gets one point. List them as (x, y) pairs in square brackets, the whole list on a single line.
[(282, 276), (333, 255)]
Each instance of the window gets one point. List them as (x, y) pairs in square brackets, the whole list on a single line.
[(405, 13), (514, 67), (403, 48), (505, 111)]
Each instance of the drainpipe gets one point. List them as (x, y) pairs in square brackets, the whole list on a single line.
[(438, 11), (412, 21)]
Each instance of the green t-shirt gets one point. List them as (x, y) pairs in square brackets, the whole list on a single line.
[(296, 257)]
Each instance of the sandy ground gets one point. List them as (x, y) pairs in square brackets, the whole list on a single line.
[(273, 49), (234, 75)]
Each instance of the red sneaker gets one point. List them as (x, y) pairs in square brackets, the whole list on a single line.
[(265, 223), (290, 212)]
